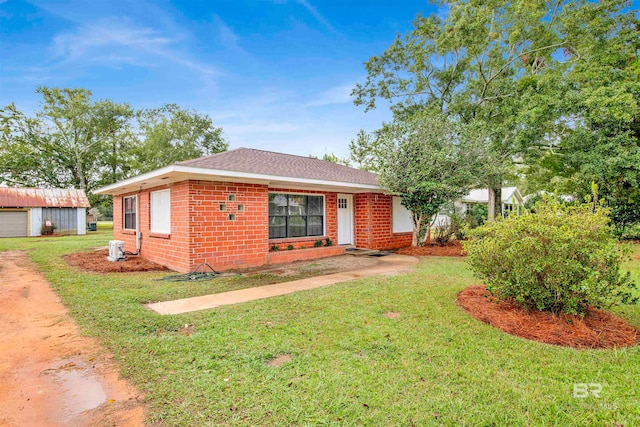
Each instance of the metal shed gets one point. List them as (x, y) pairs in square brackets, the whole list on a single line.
[(24, 211)]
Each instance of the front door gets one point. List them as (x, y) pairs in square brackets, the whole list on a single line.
[(345, 219)]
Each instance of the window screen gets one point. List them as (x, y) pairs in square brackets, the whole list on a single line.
[(295, 215), (130, 208)]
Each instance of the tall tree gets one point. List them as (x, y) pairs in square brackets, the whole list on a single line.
[(497, 64), (62, 145), (75, 142), (170, 134), (333, 158), (601, 98), (428, 161)]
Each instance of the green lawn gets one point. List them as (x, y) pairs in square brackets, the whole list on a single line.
[(351, 365)]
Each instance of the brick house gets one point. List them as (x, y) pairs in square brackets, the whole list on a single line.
[(246, 207)]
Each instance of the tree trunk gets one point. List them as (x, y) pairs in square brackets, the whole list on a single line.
[(417, 226), (497, 201), (494, 202)]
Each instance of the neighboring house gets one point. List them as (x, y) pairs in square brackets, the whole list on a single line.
[(233, 209), (24, 211), (512, 200), (92, 215), (566, 198)]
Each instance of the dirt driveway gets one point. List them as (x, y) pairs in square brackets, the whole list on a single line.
[(50, 375)]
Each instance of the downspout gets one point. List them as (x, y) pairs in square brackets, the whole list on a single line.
[(138, 232)]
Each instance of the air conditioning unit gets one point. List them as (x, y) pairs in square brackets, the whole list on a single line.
[(116, 250)]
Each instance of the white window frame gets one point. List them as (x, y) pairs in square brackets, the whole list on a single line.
[(124, 212), (160, 218), (400, 217)]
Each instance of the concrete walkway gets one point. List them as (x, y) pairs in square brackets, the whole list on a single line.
[(390, 265)]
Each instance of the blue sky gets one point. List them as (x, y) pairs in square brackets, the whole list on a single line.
[(276, 75)]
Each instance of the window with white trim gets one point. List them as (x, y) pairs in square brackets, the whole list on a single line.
[(161, 211), (295, 215), (402, 222), (130, 210)]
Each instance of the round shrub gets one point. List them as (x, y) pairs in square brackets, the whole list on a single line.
[(559, 259)]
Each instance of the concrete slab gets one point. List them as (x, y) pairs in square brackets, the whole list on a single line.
[(389, 266)]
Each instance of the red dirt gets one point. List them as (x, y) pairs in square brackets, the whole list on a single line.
[(50, 375), (452, 249), (280, 360), (598, 329), (97, 261)]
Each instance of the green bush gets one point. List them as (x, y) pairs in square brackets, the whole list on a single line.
[(476, 215), (559, 259), (448, 230), (628, 232)]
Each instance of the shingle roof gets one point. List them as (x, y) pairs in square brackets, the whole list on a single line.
[(285, 165), (11, 197)]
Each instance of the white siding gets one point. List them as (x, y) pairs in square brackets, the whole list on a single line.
[(402, 222)]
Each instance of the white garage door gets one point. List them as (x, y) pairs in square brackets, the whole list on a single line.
[(13, 224)]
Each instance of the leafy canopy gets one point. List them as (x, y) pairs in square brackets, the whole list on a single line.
[(427, 161), (76, 142), (62, 145), (599, 138), (506, 67)]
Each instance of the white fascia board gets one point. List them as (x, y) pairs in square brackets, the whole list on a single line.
[(135, 180), (179, 169)]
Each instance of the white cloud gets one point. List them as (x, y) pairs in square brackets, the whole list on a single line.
[(335, 95), (104, 34), (313, 11), (124, 43), (229, 40), (115, 61), (227, 37)]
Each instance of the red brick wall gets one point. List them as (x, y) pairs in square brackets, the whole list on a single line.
[(373, 223), (281, 256), (222, 242), (169, 250)]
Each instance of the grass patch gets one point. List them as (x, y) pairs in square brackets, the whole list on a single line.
[(349, 363)]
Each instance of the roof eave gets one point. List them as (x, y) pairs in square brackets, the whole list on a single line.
[(175, 173)]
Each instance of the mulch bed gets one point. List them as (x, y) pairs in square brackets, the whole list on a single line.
[(97, 261), (452, 249), (598, 329)]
